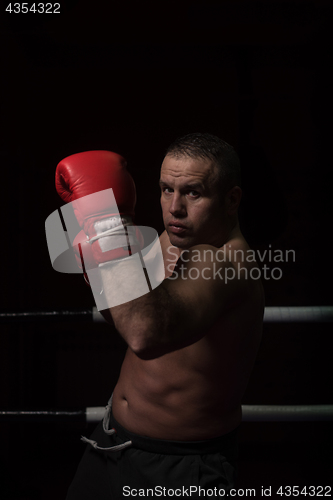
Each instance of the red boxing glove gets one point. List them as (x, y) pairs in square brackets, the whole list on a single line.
[(83, 174)]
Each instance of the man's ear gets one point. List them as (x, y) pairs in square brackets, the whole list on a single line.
[(233, 199)]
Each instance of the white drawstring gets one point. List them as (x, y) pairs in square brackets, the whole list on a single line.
[(106, 421)]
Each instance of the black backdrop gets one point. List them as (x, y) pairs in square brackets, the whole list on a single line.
[(131, 79)]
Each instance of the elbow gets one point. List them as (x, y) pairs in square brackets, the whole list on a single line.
[(136, 334), (142, 352), (146, 335), (147, 351), (145, 344), (137, 345)]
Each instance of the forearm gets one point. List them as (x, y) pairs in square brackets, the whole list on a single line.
[(151, 324)]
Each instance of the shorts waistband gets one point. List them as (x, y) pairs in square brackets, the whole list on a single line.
[(225, 444)]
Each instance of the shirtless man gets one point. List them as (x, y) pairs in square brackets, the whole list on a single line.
[(192, 341)]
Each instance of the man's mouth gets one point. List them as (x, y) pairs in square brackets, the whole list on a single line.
[(177, 227)]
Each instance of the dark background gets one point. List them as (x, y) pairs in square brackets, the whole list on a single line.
[(131, 79)]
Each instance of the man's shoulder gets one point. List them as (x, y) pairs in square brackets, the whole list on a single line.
[(230, 267)]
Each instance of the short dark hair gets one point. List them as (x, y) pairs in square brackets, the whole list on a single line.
[(207, 146)]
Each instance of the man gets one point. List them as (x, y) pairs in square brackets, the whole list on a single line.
[(192, 342)]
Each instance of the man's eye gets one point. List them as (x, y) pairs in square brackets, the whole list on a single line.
[(193, 194), (167, 190)]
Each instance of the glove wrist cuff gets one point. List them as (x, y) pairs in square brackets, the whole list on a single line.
[(113, 237)]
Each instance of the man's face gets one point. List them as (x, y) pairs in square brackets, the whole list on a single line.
[(192, 211)]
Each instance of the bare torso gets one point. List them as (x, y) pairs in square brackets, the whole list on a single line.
[(193, 393)]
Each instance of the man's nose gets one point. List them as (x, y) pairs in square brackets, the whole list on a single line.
[(177, 207)]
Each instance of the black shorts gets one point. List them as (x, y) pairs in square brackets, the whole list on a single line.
[(154, 468)]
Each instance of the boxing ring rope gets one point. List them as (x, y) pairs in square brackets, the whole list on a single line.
[(251, 413), (307, 314)]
